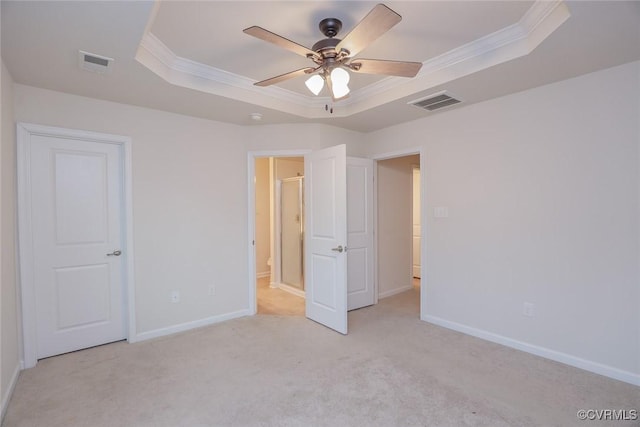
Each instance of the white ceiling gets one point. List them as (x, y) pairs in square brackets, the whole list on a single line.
[(193, 58)]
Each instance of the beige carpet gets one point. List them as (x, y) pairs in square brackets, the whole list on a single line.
[(391, 370)]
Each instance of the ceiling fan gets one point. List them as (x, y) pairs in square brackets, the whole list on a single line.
[(333, 56)]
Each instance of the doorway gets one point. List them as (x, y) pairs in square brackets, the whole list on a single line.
[(331, 236), (279, 235), (399, 233)]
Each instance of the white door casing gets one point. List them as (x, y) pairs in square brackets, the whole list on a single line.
[(72, 199), (360, 256), (326, 237)]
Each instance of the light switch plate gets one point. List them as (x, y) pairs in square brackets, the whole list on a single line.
[(441, 212)]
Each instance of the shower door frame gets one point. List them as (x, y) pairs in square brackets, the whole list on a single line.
[(278, 226)]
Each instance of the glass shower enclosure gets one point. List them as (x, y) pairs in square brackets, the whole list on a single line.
[(292, 232)]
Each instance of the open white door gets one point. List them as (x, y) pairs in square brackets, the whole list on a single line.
[(326, 237), (360, 280)]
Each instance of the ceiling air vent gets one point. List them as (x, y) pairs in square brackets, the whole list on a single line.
[(435, 101), (94, 63)]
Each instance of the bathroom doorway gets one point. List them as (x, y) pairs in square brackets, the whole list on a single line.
[(279, 235)]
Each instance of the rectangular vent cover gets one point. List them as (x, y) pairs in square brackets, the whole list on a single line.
[(436, 101), (94, 63)]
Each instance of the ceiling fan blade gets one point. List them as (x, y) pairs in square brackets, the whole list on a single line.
[(376, 23), (388, 68), (283, 77), (270, 37)]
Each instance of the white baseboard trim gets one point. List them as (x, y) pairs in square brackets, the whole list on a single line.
[(567, 359), (291, 289), (182, 327), (263, 274), (12, 385), (392, 292)]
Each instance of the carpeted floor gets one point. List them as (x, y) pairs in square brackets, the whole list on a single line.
[(265, 370)]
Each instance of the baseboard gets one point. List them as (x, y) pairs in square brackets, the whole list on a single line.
[(12, 385), (182, 327), (392, 292), (292, 290), (567, 359), (263, 274)]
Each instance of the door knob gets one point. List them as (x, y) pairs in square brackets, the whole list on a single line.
[(338, 249), (115, 253)]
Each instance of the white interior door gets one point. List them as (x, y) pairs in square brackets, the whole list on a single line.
[(360, 276), (326, 237), (75, 189)]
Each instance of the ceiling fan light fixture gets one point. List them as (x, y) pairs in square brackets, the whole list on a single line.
[(340, 77), (339, 82), (340, 91), (331, 55), (315, 84)]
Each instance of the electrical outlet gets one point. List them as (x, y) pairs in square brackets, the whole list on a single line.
[(528, 309), (175, 296), (212, 290)]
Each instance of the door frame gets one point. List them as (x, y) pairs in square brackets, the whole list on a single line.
[(423, 213), (251, 216), (25, 230)]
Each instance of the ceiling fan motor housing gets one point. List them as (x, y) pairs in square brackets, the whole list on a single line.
[(330, 26), (325, 46)]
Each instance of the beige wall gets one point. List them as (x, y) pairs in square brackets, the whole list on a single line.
[(263, 216), (189, 204), (415, 216), (302, 136), (289, 167), (9, 343), (395, 206), (542, 188), (189, 200)]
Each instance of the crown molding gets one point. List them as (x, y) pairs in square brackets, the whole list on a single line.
[(155, 55), (509, 43)]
